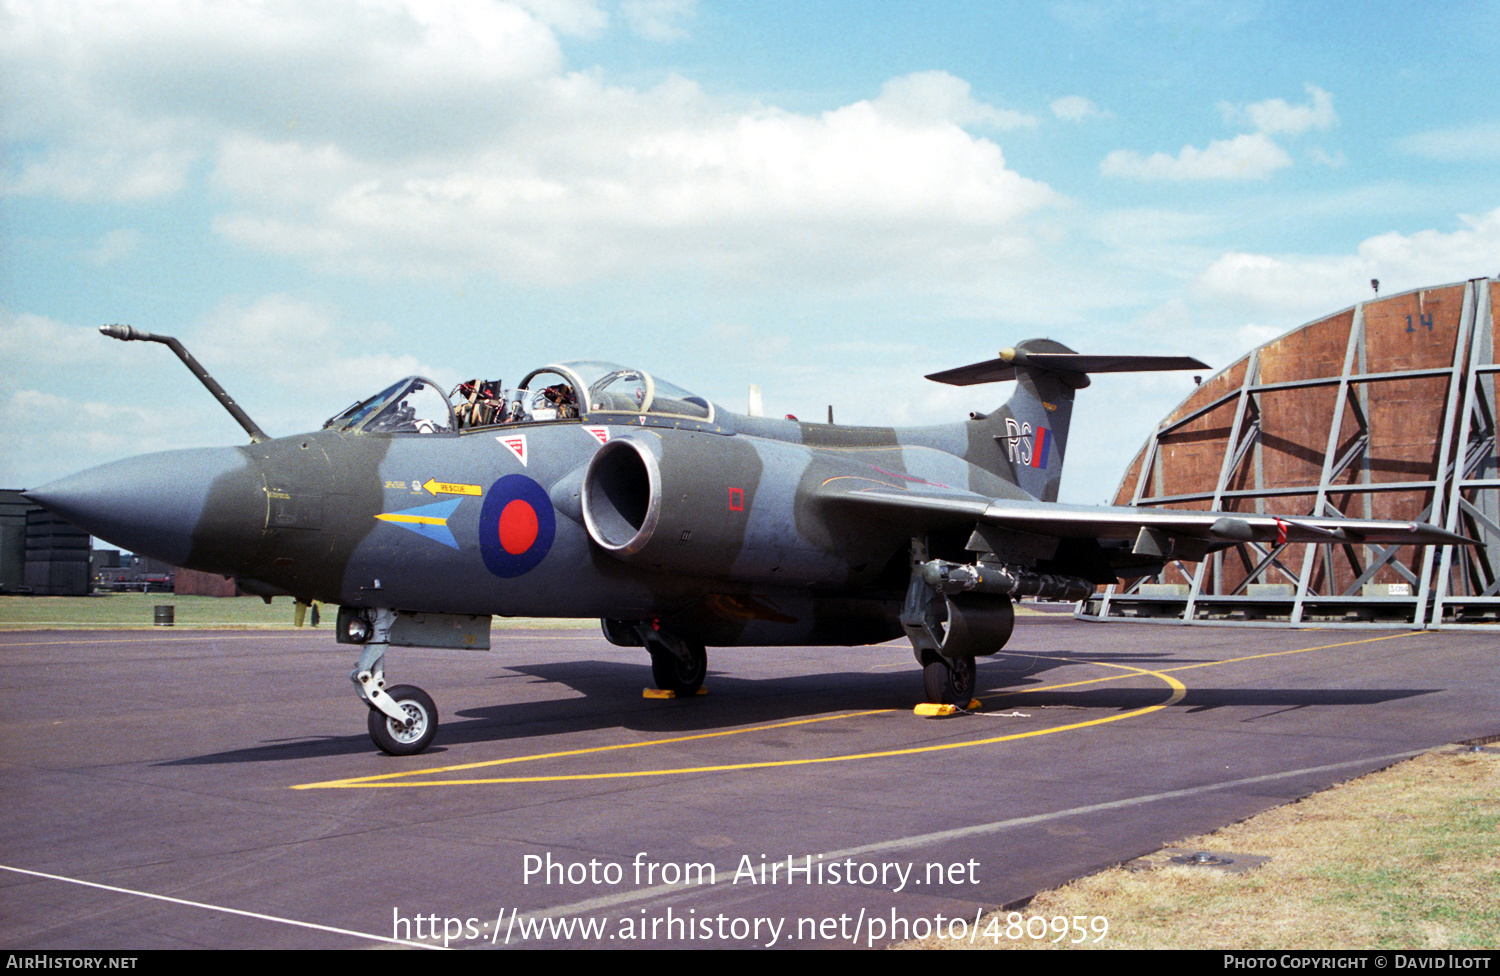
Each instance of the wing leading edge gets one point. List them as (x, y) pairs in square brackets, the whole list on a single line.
[(1162, 533), (1123, 522)]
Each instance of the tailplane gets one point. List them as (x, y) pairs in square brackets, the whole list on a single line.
[(1031, 430)]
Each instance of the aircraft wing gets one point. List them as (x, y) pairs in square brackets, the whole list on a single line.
[(1215, 530)]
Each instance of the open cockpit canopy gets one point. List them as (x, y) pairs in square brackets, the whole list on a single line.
[(410, 406), (564, 391), (607, 388)]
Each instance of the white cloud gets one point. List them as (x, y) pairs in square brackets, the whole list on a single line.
[(659, 20), (1262, 282), (301, 174), (1333, 160), (137, 84), (59, 410), (1479, 142), (451, 140), (595, 180), (1251, 335), (1275, 117), (1250, 156), (321, 364), (116, 245), (1309, 285), (580, 17), (928, 97), (1076, 108), (1253, 156), (36, 421), (28, 340), (94, 170), (289, 363)]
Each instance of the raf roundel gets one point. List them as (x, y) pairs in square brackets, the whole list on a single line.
[(516, 526)]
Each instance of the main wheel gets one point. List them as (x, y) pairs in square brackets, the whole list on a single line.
[(399, 740), (950, 680), (676, 675)]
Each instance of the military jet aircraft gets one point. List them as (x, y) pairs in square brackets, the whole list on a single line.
[(595, 490)]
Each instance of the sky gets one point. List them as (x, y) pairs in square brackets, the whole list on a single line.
[(828, 200)]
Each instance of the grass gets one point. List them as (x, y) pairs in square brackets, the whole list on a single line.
[(131, 610), (1405, 858)]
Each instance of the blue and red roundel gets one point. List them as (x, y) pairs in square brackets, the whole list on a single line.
[(516, 526)]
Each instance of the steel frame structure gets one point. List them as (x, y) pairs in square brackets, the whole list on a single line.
[(1381, 446)]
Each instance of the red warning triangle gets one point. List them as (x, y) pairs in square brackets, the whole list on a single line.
[(516, 443)]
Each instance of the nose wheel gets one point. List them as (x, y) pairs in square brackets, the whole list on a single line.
[(411, 736)]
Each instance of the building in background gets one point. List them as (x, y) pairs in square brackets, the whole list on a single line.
[(1384, 410), (43, 555), (13, 509), (39, 552)]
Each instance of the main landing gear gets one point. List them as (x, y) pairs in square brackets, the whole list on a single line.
[(949, 630), (677, 665), (679, 671), (949, 680), (403, 718)]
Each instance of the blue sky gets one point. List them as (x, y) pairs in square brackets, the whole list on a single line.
[(828, 200)]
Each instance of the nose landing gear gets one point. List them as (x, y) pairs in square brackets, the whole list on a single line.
[(403, 719)]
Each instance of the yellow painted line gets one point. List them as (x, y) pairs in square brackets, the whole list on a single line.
[(388, 780), (1300, 650), (592, 749), (1178, 692), (1007, 692)]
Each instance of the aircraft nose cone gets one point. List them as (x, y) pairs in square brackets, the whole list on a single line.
[(164, 505)]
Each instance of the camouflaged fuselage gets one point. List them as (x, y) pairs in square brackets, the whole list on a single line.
[(752, 540)]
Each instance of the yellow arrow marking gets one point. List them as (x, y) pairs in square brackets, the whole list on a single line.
[(419, 519), (444, 488)]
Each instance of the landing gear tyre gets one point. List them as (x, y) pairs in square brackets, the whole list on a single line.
[(397, 740), (673, 674), (950, 681)]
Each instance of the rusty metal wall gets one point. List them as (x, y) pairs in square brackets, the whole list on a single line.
[(191, 582), (1383, 410)]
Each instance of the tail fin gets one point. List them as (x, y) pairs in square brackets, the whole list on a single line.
[(1031, 430)]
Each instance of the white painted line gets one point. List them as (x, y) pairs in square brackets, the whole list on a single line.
[(218, 908), (959, 833)]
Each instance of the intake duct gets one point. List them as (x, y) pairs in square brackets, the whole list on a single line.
[(706, 505), (622, 496)]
